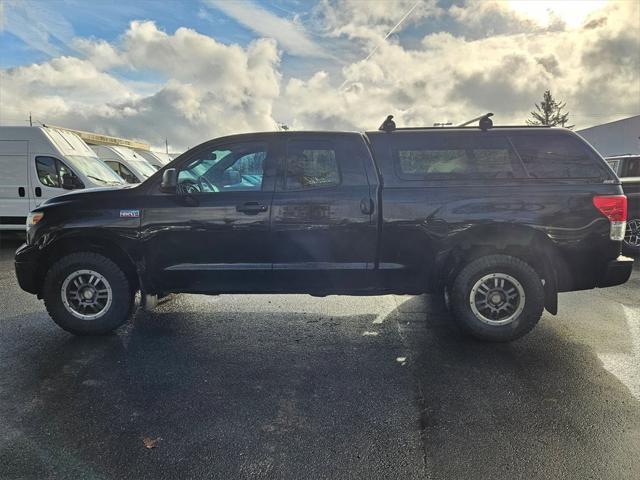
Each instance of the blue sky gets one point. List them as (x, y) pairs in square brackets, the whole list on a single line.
[(107, 20), (194, 69)]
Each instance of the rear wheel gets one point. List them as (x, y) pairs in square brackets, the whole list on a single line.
[(631, 243), (497, 298), (87, 294)]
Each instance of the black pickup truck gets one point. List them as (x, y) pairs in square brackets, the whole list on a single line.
[(628, 169), (498, 219)]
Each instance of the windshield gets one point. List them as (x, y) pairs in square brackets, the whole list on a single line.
[(95, 169), (144, 167)]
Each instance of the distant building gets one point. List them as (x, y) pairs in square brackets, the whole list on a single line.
[(615, 138)]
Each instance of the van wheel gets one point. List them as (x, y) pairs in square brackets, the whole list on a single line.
[(497, 298), (87, 294), (631, 243)]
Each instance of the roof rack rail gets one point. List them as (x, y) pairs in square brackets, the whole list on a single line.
[(484, 123)]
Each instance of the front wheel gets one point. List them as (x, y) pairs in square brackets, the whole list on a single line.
[(497, 298), (87, 294)]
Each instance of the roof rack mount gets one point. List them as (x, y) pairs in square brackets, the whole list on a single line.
[(484, 121)]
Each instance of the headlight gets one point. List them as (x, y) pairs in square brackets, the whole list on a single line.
[(33, 218)]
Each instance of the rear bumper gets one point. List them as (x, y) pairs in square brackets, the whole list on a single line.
[(616, 272), (26, 264)]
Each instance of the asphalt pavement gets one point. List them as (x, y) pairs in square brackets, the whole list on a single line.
[(249, 386)]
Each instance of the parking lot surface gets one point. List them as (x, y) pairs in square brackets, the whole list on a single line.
[(242, 386)]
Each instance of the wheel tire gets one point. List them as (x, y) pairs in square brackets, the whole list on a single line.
[(632, 234), (117, 311), (522, 322)]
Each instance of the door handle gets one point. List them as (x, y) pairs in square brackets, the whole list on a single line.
[(251, 208), (21, 191), (38, 192), (366, 206)]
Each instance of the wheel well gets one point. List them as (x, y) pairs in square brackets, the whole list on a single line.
[(104, 247), (527, 244)]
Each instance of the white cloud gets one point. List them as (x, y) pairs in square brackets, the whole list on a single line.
[(596, 70), (37, 24), (198, 88), (290, 35), (357, 19), (212, 88)]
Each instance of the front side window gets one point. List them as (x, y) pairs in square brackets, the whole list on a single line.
[(311, 165), (433, 157), (237, 167), (50, 171), (556, 156)]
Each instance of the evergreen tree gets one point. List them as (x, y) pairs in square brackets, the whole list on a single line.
[(549, 112)]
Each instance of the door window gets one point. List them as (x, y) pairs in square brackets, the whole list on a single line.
[(50, 171), (311, 164), (238, 167)]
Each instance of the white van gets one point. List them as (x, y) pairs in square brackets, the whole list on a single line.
[(131, 166), (37, 163), (156, 159)]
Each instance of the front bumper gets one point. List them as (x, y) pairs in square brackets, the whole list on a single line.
[(616, 272), (27, 268)]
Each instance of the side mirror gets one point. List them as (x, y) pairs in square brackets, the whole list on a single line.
[(169, 180), (68, 182)]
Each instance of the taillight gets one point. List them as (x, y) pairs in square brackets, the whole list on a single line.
[(614, 207)]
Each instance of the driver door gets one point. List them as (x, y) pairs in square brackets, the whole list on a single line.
[(212, 235)]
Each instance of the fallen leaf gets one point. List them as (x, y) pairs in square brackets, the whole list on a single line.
[(150, 442)]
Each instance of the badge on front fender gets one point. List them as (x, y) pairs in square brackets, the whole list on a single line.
[(129, 213)]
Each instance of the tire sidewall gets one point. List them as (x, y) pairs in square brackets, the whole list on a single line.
[(522, 272), (122, 297)]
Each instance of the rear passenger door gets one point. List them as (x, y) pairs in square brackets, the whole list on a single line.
[(323, 226)]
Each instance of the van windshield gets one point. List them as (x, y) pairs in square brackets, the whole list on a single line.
[(95, 169), (144, 167)]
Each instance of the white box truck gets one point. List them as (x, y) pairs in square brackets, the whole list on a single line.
[(37, 163), (129, 165)]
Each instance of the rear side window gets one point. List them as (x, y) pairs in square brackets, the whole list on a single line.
[(556, 156), (311, 164), (432, 157)]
